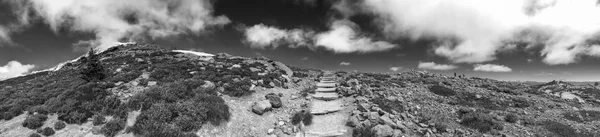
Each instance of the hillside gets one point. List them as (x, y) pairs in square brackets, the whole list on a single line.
[(146, 90)]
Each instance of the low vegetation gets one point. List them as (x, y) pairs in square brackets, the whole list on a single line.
[(481, 121), (34, 121)]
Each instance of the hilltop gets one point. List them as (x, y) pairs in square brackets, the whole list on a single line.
[(147, 90)]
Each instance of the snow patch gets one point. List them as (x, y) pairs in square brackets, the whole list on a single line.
[(195, 53)]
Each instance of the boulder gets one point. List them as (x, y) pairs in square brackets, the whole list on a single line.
[(385, 119), (261, 107), (274, 99), (363, 107), (151, 83), (383, 131), (283, 67), (353, 121)]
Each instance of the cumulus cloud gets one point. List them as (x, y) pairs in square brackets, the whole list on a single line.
[(395, 69), (434, 66), (491, 68), (115, 20), (474, 31), (262, 36), (343, 37), (344, 63), (14, 69)]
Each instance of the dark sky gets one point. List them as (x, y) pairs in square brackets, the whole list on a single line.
[(37, 44)]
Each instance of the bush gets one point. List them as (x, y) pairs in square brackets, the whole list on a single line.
[(98, 120), (47, 131), (303, 116), (35, 135), (39, 109), (442, 90), (512, 118), (389, 105), (111, 128), (34, 121), (59, 125), (481, 121), (93, 70), (238, 89)]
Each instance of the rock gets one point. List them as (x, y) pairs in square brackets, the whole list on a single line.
[(397, 133), (353, 121), (274, 100), (283, 67), (361, 99), (373, 116), (281, 123), (270, 131), (208, 85), (261, 107), (151, 83), (363, 107), (254, 69), (385, 119), (287, 130), (383, 130), (277, 83)]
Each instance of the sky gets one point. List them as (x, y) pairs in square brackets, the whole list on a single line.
[(519, 40)]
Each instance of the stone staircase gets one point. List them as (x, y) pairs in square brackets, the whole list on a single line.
[(328, 121)]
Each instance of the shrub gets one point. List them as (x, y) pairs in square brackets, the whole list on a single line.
[(564, 130), (512, 118), (303, 116), (47, 131), (480, 121), (309, 90), (442, 90), (39, 109), (98, 120), (238, 89), (59, 125), (111, 128), (35, 135), (93, 70), (34, 121)]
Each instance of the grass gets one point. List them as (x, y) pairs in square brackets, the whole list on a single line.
[(442, 90), (483, 122), (559, 129)]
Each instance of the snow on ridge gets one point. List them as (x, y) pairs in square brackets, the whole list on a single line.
[(195, 53)]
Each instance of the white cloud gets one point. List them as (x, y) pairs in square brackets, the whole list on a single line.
[(14, 69), (113, 20), (395, 69), (262, 36), (433, 66), (344, 63), (491, 68), (344, 37), (4, 36), (476, 30)]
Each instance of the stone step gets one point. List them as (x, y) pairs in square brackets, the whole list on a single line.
[(326, 96), (325, 90), (320, 107), (326, 85), (328, 125), (327, 81)]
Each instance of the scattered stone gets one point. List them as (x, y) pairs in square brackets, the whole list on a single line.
[(363, 107), (261, 107), (152, 83), (386, 120), (270, 131), (281, 123), (274, 99)]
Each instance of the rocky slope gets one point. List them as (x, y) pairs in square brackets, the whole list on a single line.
[(146, 90)]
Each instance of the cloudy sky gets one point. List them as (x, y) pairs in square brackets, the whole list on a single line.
[(537, 40)]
